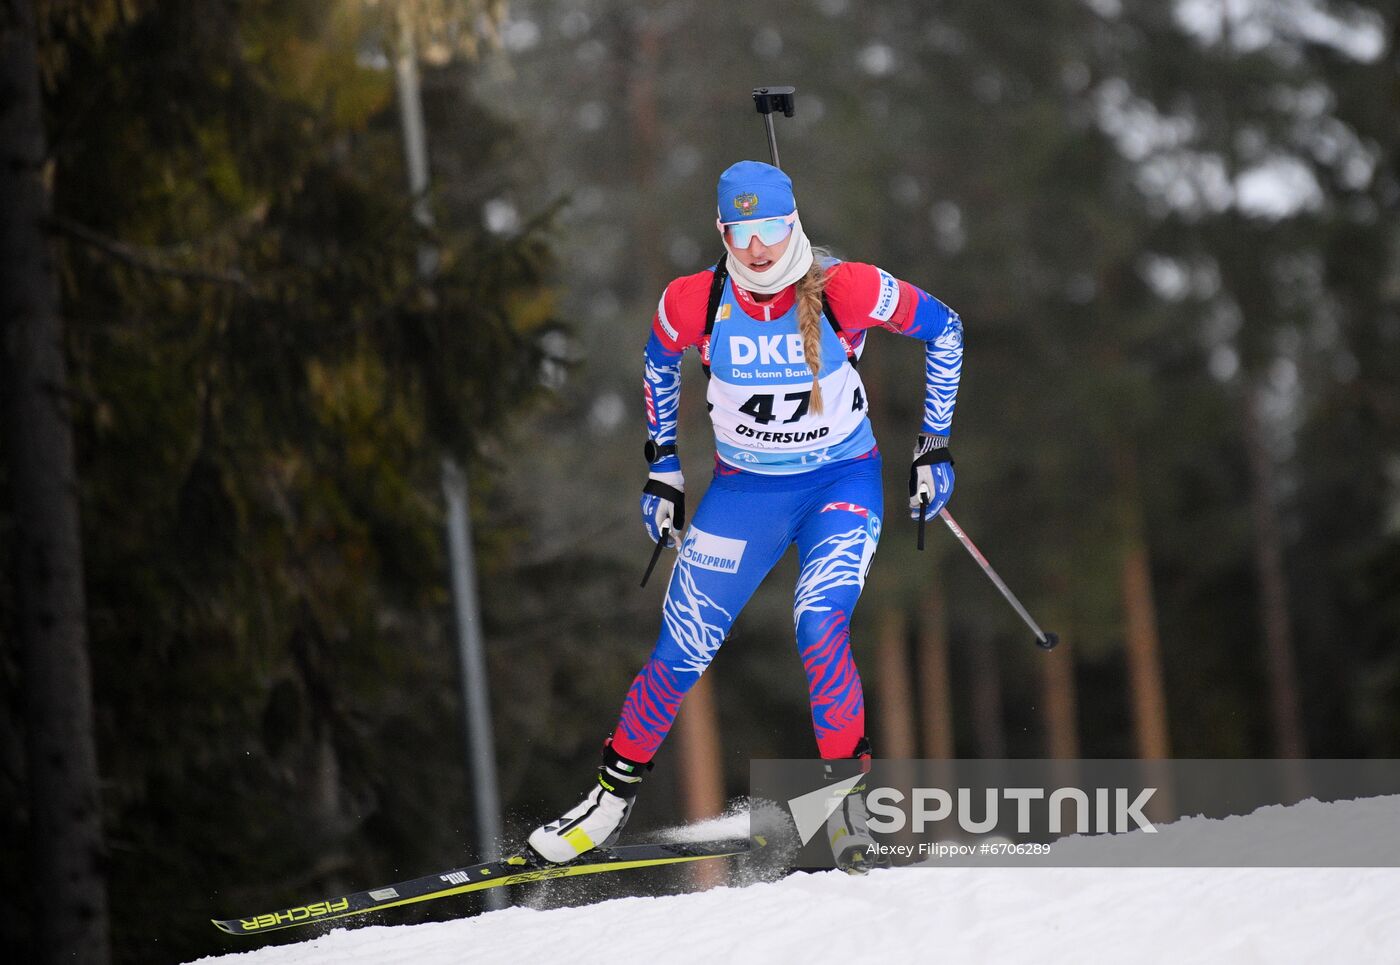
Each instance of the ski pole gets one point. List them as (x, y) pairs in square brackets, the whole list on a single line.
[(656, 553), (1045, 641), (768, 100)]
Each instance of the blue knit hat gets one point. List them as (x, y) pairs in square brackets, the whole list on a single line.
[(752, 189)]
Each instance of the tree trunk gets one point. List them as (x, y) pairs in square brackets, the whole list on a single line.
[(1144, 653), (896, 694), (936, 691), (1143, 644), (988, 727), (1059, 693), (700, 772), (1061, 702), (65, 809), (642, 97), (935, 681), (1273, 600), (1268, 543)]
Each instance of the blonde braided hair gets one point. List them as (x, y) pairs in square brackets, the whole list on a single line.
[(809, 322)]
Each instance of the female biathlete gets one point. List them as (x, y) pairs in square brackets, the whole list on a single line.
[(779, 329)]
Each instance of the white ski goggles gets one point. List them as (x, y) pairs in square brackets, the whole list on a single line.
[(770, 231)]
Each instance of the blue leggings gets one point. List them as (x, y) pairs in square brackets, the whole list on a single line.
[(742, 527)]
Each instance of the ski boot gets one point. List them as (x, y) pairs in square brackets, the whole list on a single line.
[(848, 825), (598, 819)]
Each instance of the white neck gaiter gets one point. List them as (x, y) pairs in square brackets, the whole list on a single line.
[(782, 273)]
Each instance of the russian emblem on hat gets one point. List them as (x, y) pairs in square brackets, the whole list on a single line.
[(751, 189)]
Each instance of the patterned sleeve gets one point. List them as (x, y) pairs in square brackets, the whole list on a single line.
[(679, 323), (864, 296), (661, 386)]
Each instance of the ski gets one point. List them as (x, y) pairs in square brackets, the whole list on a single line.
[(514, 870)]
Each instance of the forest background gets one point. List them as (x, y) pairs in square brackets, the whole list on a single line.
[(227, 647)]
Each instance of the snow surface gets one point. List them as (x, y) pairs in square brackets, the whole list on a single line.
[(1043, 915)]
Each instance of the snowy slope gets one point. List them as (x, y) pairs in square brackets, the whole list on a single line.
[(1042, 915)]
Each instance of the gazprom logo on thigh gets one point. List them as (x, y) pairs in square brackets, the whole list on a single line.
[(711, 552)]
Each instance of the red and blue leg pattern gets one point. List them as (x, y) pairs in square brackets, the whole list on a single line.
[(742, 527), (835, 545)]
